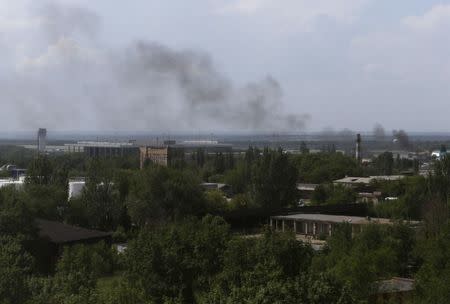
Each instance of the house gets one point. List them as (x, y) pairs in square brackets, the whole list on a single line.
[(54, 236)]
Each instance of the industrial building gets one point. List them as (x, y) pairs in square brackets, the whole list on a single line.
[(171, 152), (318, 225), (352, 181), (103, 149)]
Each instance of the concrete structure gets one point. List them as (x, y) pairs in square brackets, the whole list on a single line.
[(321, 225), (41, 140), (103, 149)]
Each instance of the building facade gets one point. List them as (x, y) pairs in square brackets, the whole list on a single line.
[(170, 153), (156, 155)]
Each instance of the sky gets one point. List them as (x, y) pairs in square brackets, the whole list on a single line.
[(225, 65)]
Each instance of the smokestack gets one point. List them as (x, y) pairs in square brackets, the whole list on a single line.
[(358, 147), (41, 140)]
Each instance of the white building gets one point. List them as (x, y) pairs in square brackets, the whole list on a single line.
[(17, 184), (76, 188)]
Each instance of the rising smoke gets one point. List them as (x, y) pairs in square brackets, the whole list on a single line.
[(77, 83), (402, 138), (378, 132)]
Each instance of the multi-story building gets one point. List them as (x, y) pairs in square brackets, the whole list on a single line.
[(170, 153)]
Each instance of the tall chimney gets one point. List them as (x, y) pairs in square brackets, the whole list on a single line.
[(358, 147)]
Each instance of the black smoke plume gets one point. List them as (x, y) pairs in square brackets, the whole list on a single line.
[(72, 81)]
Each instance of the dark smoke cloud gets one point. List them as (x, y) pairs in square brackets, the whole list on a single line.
[(75, 83), (402, 138)]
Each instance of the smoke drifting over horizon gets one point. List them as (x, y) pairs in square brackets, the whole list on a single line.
[(59, 75)]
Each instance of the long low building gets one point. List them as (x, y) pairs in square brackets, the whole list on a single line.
[(318, 225), (103, 149), (352, 181)]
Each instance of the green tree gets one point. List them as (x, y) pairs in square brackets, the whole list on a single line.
[(238, 178), (40, 171), (77, 273), (384, 163), (274, 181), (216, 202), (15, 268), (16, 219), (99, 206), (320, 168), (376, 253), (173, 262), (304, 148), (433, 278), (160, 194)]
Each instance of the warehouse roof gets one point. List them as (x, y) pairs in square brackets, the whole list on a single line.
[(103, 144), (60, 233)]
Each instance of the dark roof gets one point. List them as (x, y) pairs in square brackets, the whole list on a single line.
[(60, 233)]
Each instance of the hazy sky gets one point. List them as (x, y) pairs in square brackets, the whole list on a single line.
[(89, 64)]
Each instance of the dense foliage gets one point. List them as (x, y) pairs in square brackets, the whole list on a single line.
[(181, 251)]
